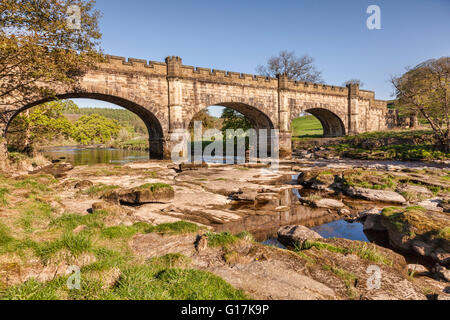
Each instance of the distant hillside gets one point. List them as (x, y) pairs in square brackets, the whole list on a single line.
[(125, 117)]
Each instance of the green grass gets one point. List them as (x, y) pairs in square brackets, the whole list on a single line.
[(155, 186), (410, 145), (179, 227), (361, 250), (70, 221), (306, 127), (225, 239), (3, 196), (99, 189), (156, 280)]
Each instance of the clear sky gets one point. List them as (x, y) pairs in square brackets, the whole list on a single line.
[(239, 35)]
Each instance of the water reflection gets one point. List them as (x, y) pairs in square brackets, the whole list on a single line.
[(89, 156), (264, 224)]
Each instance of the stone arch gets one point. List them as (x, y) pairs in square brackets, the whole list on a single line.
[(332, 124), (255, 116), (155, 130)]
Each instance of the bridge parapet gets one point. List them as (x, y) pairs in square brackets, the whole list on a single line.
[(133, 65)]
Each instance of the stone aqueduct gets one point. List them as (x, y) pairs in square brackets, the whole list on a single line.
[(166, 95)]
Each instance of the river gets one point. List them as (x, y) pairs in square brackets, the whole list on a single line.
[(326, 225)]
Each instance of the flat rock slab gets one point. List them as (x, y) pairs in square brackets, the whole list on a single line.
[(375, 195)]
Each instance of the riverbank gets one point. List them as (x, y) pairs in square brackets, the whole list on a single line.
[(407, 145), (154, 230)]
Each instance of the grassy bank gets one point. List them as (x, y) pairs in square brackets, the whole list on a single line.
[(306, 127), (37, 237), (406, 145)]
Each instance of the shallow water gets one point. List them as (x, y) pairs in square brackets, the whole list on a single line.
[(89, 156)]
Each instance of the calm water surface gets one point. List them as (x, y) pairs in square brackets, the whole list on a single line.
[(88, 156)]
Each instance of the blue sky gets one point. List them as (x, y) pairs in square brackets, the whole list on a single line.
[(239, 35)]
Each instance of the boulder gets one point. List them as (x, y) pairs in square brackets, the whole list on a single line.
[(296, 235), (327, 203), (83, 184), (445, 205), (192, 166), (432, 204), (417, 269), (375, 195), (268, 201), (58, 170), (441, 256), (365, 213), (422, 248), (373, 223), (442, 272), (148, 193)]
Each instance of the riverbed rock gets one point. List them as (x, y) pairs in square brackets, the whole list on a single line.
[(432, 204), (373, 223), (58, 170), (267, 201), (422, 248), (147, 193), (418, 192), (445, 205), (417, 269), (296, 235), (192, 166), (83, 184), (375, 195), (327, 203), (420, 230), (442, 272)]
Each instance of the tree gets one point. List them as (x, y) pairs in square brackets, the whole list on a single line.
[(234, 120), (40, 124), (353, 81), (296, 68), (94, 128), (40, 50), (424, 90)]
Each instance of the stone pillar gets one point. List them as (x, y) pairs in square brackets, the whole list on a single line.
[(175, 98), (4, 163), (284, 116), (353, 108)]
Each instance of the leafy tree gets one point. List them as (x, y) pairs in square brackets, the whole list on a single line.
[(40, 50), (296, 68), (207, 120), (424, 90), (234, 120), (40, 124), (94, 128)]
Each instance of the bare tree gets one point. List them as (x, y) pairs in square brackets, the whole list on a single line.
[(424, 90), (296, 68), (353, 81)]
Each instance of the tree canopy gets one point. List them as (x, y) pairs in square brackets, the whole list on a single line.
[(424, 90), (234, 120), (95, 129), (296, 68), (40, 49)]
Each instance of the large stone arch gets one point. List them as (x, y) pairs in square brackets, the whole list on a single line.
[(154, 127), (258, 119), (332, 125)]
